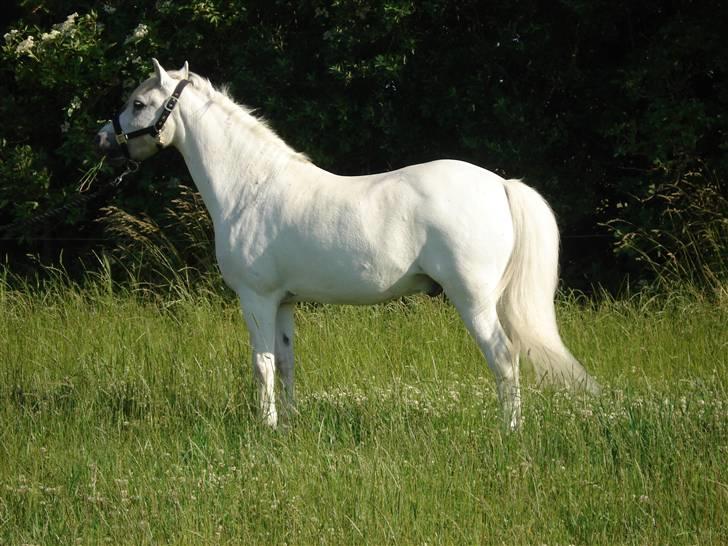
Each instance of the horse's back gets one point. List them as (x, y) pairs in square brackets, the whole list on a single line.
[(444, 191)]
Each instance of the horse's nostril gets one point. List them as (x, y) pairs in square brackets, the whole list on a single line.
[(101, 140)]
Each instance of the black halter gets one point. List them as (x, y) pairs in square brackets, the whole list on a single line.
[(122, 138)]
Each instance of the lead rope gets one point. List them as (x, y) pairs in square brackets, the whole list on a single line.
[(131, 167)]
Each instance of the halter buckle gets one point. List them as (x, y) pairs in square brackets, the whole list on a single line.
[(121, 138), (170, 104)]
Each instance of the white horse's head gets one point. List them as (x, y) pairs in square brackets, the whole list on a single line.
[(146, 124)]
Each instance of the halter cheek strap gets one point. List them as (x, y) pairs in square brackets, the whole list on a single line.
[(123, 138)]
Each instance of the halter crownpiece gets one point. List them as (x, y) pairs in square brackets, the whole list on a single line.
[(123, 138)]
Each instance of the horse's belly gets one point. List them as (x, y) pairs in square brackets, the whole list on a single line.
[(357, 289)]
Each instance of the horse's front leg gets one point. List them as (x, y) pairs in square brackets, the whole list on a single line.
[(260, 317), (284, 356)]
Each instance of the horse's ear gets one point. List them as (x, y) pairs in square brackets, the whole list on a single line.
[(185, 70), (160, 73)]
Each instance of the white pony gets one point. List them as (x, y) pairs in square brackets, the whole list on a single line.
[(287, 231)]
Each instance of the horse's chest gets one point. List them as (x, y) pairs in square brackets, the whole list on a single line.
[(245, 261)]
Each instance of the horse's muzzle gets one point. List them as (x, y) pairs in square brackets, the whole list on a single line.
[(106, 143)]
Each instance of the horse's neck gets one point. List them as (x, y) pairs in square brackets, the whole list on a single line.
[(230, 157)]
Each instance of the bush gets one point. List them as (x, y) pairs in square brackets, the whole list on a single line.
[(602, 106)]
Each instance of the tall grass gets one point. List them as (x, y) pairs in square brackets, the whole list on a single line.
[(127, 418), (681, 232)]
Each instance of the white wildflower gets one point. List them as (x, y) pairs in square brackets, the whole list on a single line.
[(73, 106), (68, 24), (139, 33), (108, 8), (52, 35), (10, 36), (26, 46)]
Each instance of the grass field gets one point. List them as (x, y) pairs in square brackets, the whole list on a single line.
[(128, 419)]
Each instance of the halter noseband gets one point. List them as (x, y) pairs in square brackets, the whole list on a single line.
[(122, 138)]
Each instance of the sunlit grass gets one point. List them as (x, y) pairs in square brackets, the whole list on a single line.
[(127, 418)]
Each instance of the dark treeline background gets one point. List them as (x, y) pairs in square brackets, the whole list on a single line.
[(615, 110)]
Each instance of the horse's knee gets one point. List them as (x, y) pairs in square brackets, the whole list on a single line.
[(263, 365)]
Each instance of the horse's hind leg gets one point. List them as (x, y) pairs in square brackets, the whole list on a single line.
[(484, 326), (481, 320)]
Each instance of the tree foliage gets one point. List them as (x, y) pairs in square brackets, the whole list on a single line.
[(611, 109)]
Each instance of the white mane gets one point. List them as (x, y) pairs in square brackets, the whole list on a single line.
[(259, 126)]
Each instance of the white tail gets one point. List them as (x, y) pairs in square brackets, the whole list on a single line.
[(526, 305)]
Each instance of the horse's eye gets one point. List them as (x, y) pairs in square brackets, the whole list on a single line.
[(138, 105)]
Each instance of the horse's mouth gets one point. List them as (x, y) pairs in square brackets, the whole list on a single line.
[(107, 146)]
